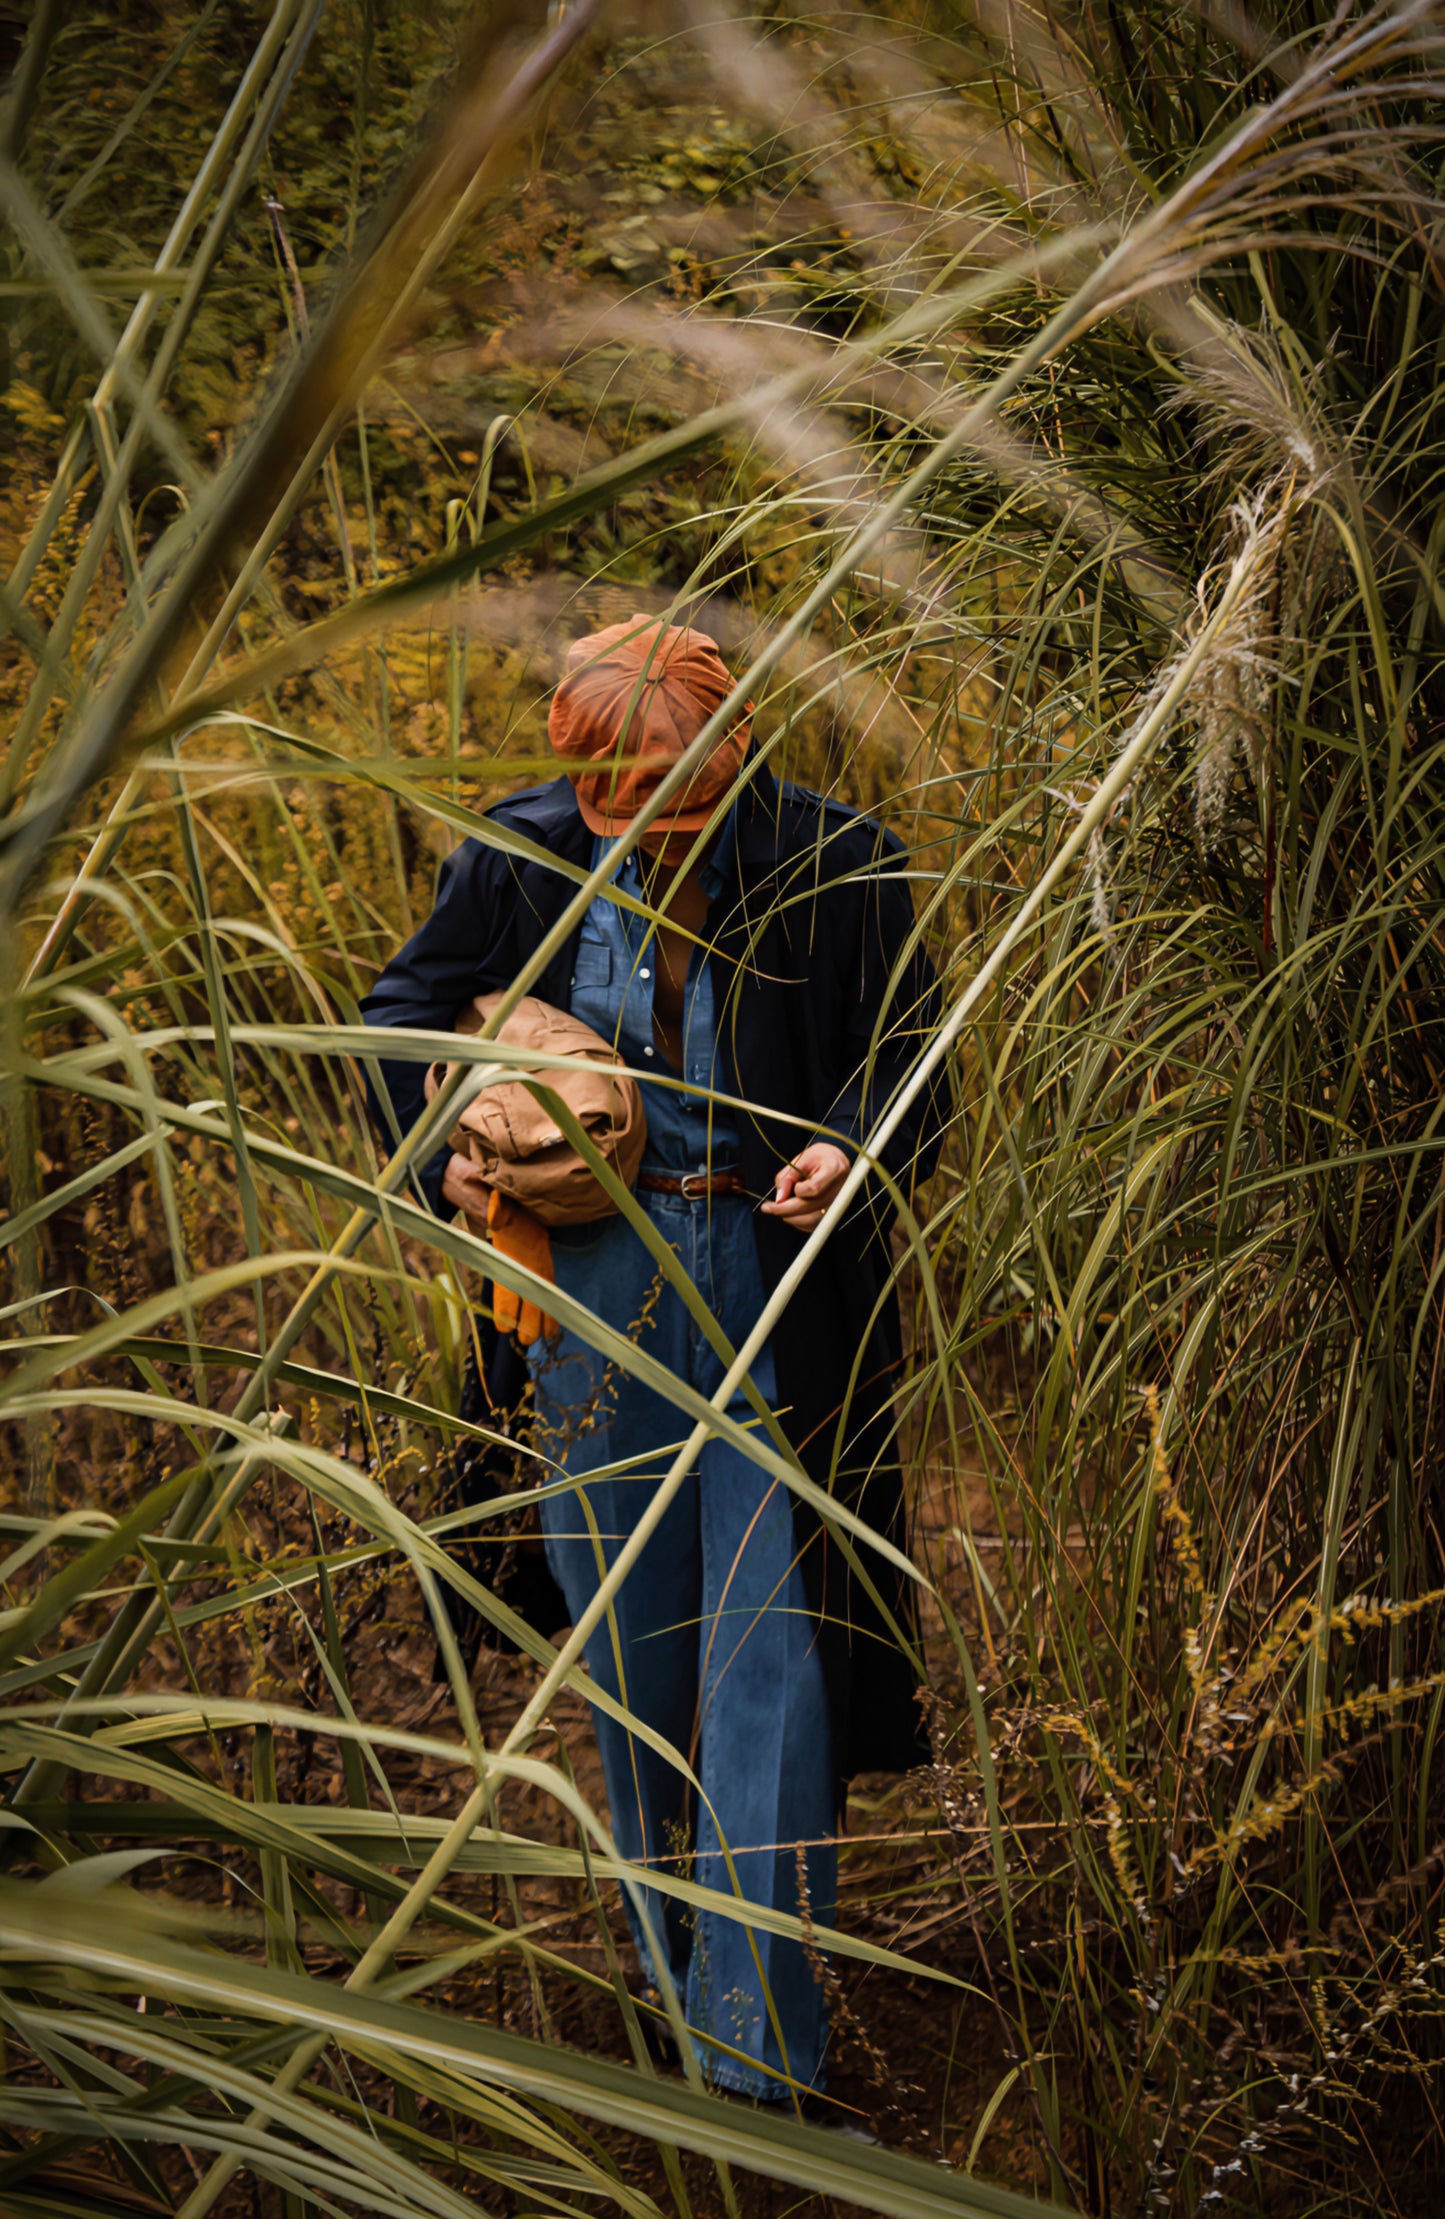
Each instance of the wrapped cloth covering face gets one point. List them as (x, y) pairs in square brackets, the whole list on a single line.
[(514, 1143), (633, 698)]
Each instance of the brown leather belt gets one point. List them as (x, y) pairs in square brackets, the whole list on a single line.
[(694, 1186)]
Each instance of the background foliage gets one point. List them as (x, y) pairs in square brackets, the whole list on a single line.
[(1044, 413)]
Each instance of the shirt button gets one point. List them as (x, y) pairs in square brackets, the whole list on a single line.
[(647, 1051), (644, 974)]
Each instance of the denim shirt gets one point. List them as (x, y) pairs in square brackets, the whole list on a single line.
[(612, 983)]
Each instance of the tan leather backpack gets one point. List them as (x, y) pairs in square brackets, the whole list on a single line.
[(511, 1138)]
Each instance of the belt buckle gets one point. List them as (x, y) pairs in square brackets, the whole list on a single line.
[(695, 1185)]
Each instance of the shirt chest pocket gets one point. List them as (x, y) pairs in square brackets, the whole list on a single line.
[(593, 997)]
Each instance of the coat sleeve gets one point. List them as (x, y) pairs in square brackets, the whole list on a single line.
[(890, 1008), (439, 970)]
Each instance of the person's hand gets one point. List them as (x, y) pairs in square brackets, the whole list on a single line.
[(463, 1189), (804, 1188)]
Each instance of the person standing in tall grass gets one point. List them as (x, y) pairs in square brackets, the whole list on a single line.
[(771, 991)]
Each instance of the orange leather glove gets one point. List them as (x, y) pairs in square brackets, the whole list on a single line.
[(513, 1229)]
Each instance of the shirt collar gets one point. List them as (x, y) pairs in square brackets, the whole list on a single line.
[(719, 871)]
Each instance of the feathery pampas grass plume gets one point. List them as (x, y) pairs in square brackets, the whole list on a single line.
[(1229, 706)]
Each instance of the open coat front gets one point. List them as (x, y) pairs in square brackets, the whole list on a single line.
[(826, 999)]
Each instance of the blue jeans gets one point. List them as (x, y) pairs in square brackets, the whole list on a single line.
[(714, 1647)]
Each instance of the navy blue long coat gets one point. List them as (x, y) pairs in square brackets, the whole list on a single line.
[(825, 1000)]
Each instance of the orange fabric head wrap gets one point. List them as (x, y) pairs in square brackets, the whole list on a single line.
[(633, 698)]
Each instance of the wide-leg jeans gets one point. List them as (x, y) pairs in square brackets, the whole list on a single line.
[(710, 1641)]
